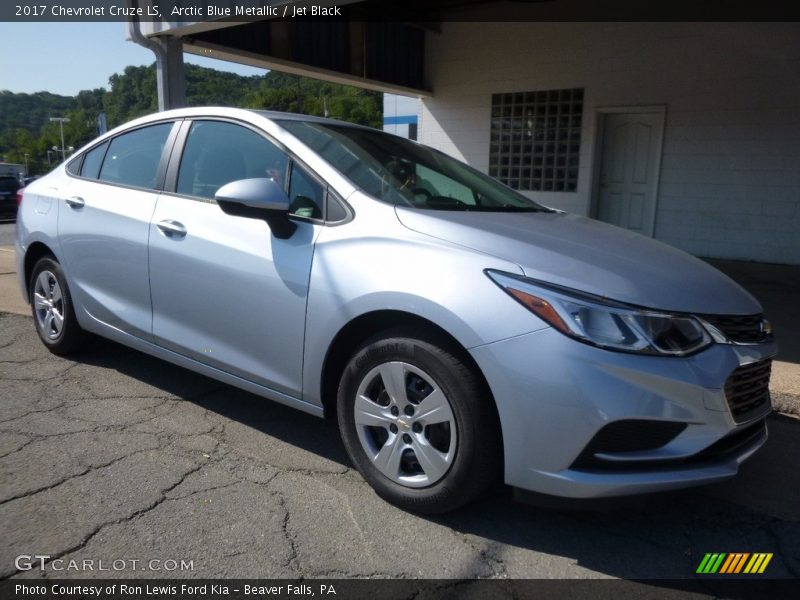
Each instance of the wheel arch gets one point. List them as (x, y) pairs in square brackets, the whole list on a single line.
[(369, 325), (33, 254)]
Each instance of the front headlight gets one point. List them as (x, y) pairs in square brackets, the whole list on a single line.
[(604, 323)]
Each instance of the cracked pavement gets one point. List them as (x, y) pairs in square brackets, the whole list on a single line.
[(116, 455)]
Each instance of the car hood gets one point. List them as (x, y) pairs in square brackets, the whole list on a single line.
[(585, 254)]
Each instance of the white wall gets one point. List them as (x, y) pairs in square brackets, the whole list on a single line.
[(730, 175)]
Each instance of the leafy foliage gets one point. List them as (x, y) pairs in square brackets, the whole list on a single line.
[(30, 111), (25, 127), (290, 93)]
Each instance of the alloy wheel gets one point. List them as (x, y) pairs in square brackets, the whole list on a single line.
[(405, 424), (48, 301)]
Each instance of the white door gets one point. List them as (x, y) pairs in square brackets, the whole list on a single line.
[(629, 170)]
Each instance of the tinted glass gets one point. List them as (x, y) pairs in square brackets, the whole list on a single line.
[(74, 166), (133, 157), (335, 212), (433, 183), (217, 153), (92, 161), (306, 195), (398, 171)]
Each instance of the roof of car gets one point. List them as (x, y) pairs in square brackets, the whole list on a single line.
[(198, 111), (285, 116)]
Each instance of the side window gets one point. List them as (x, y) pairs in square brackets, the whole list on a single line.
[(74, 166), (217, 153), (92, 161), (305, 194), (133, 157)]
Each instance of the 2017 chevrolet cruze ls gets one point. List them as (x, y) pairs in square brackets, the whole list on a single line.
[(458, 331)]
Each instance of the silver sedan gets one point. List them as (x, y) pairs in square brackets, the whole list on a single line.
[(460, 333)]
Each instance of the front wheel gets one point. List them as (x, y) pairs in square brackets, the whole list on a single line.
[(52, 309), (419, 424)]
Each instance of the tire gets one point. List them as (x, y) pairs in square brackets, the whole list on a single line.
[(52, 309), (441, 454)]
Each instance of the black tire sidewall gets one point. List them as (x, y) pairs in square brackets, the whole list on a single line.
[(463, 481), (71, 332)]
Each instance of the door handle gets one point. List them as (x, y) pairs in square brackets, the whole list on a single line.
[(75, 202), (172, 228)]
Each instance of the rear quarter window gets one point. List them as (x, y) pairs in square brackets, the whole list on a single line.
[(92, 161)]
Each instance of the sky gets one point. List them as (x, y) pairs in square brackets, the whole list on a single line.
[(64, 58)]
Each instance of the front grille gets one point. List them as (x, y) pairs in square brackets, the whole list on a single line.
[(746, 329), (747, 389)]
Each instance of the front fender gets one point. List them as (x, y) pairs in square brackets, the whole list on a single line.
[(353, 275)]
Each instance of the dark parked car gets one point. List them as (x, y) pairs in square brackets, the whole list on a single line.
[(8, 197)]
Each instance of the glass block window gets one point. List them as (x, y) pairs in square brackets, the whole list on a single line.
[(536, 139)]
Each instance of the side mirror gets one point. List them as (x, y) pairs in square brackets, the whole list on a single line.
[(258, 198)]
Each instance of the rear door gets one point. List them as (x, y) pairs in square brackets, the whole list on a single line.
[(104, 225), (225, 291)]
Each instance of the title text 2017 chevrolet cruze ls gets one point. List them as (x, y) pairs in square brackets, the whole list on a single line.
[(458, 331)]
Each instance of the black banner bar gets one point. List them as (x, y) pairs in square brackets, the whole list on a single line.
[(400, 589), (410, 11)]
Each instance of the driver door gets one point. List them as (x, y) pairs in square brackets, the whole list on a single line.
[(226, 291)]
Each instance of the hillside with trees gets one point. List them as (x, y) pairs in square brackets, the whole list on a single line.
[(25, 127)]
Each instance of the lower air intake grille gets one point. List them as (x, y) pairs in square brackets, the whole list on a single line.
[(629, 435), (747, 389)]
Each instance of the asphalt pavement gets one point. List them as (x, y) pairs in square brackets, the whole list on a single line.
[(115, 456), (119, 456)]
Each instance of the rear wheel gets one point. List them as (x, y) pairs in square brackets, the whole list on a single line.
[(418, 423), (52, 308)]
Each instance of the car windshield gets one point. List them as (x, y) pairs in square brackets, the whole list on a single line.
[(398, 171)]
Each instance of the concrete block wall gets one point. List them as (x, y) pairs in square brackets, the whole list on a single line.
[(730, 172)]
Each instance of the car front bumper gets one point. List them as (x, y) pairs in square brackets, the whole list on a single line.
[(555, 394)]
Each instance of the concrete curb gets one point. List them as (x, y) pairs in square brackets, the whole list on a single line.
[(10, 295)]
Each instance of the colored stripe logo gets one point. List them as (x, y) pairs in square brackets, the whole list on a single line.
[(734, 563)]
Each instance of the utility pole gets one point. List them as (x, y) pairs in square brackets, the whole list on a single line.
[(61, 121), (26, 164)]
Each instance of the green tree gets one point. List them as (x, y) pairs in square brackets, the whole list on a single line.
[(25, 127), (133, 94)]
